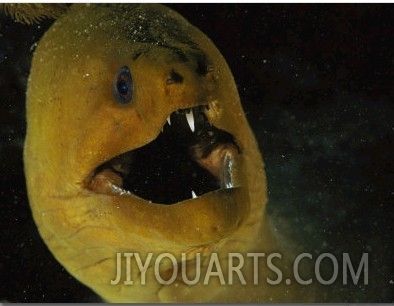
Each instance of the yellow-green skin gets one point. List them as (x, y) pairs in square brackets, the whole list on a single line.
[(74, 124)]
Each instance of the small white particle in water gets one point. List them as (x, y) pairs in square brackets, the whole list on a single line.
[(33, 46)]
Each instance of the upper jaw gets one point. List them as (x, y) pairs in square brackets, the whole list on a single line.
[(189, 158)]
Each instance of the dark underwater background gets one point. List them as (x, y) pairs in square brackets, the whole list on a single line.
[(316, 83)]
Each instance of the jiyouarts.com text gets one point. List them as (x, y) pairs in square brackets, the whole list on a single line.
[(355, 271)]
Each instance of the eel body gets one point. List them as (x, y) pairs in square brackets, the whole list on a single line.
[(137, 143)]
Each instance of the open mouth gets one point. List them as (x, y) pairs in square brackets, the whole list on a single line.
[(189, 158)]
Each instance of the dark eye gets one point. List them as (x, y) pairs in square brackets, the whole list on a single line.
[(123, 86)]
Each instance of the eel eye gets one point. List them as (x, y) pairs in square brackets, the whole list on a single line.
[(123, 86)]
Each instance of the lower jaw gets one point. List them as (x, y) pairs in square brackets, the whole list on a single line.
[(191, 223)]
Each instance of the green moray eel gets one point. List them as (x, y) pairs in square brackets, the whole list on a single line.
[(137, 143)]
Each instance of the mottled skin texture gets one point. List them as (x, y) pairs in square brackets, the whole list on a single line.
[(74, 125)]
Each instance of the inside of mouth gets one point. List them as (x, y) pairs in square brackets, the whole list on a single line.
[(189, 158)]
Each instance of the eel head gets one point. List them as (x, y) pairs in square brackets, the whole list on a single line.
[(137, 141)]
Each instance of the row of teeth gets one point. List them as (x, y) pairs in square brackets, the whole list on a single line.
[(189, 118), (121, 191)]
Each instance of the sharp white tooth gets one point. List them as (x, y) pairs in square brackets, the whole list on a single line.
[(169, 120), (190, 120), (119, 190), (193, 195)]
